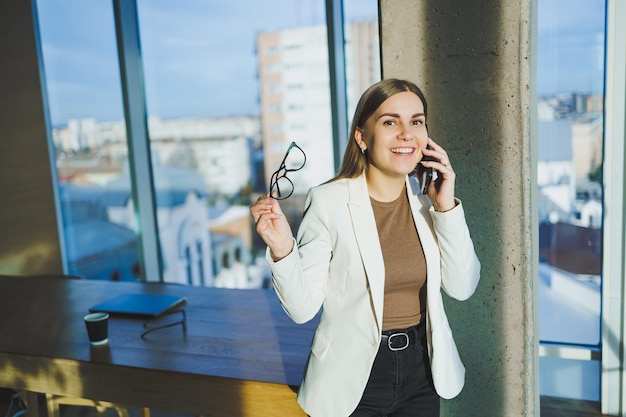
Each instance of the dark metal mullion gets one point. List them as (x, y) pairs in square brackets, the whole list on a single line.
[(129, 51), (337, 72)]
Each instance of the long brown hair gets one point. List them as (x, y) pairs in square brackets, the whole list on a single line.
[(354, 161)]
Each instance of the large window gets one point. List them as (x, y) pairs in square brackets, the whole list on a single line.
[(226, 91), (570, 87)]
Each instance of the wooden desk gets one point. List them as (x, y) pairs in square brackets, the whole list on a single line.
[(239, 357)]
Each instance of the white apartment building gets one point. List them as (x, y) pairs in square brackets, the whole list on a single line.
[(218, 148)]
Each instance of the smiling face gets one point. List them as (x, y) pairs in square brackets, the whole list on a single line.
[(394, 136)]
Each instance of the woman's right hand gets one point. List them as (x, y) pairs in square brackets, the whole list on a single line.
[(272, 226)]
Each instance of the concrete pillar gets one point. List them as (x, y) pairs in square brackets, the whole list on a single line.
[(473, 61), (29, 239)]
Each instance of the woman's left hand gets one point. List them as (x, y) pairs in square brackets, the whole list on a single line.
[(441, 191)]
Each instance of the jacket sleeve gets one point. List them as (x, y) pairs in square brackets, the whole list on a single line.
[(460, 267), (300, 278)]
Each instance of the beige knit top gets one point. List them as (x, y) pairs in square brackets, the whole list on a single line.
[(405, 265)]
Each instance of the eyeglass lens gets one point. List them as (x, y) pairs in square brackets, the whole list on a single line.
[(294, 158), (281, 187)]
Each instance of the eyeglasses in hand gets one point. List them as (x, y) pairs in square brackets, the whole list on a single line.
[(281, 187)]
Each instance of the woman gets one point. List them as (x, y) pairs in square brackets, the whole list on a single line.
[(374, 254)]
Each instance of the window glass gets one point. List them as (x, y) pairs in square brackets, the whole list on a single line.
[(362, 49), (570, 88), (228, 88), (89, 137)]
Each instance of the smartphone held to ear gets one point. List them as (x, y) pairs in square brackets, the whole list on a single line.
[(426, 175)]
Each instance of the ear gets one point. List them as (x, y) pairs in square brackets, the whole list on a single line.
[(358, 138)]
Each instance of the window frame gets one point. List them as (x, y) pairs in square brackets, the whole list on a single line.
[(613, 376), (136, 117), (611, 350)]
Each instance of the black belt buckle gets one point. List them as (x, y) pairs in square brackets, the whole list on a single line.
[(398, 341)]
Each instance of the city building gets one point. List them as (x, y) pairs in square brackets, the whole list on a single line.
[(295, 93)]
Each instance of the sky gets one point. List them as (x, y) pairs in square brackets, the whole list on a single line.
[(570, 46), (199, 55)]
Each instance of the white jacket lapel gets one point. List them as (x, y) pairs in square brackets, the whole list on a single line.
[(366, 232), (420, 206)]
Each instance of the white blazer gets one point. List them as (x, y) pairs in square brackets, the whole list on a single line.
[(337, 265)]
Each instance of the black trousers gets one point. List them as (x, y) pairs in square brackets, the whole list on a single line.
[(400, 384)]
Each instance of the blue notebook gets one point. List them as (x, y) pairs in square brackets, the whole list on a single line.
[(147, 305)]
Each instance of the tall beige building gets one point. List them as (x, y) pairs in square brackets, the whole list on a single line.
[(295, 93)]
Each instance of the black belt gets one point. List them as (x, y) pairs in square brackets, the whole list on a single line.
[(400, 339)]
